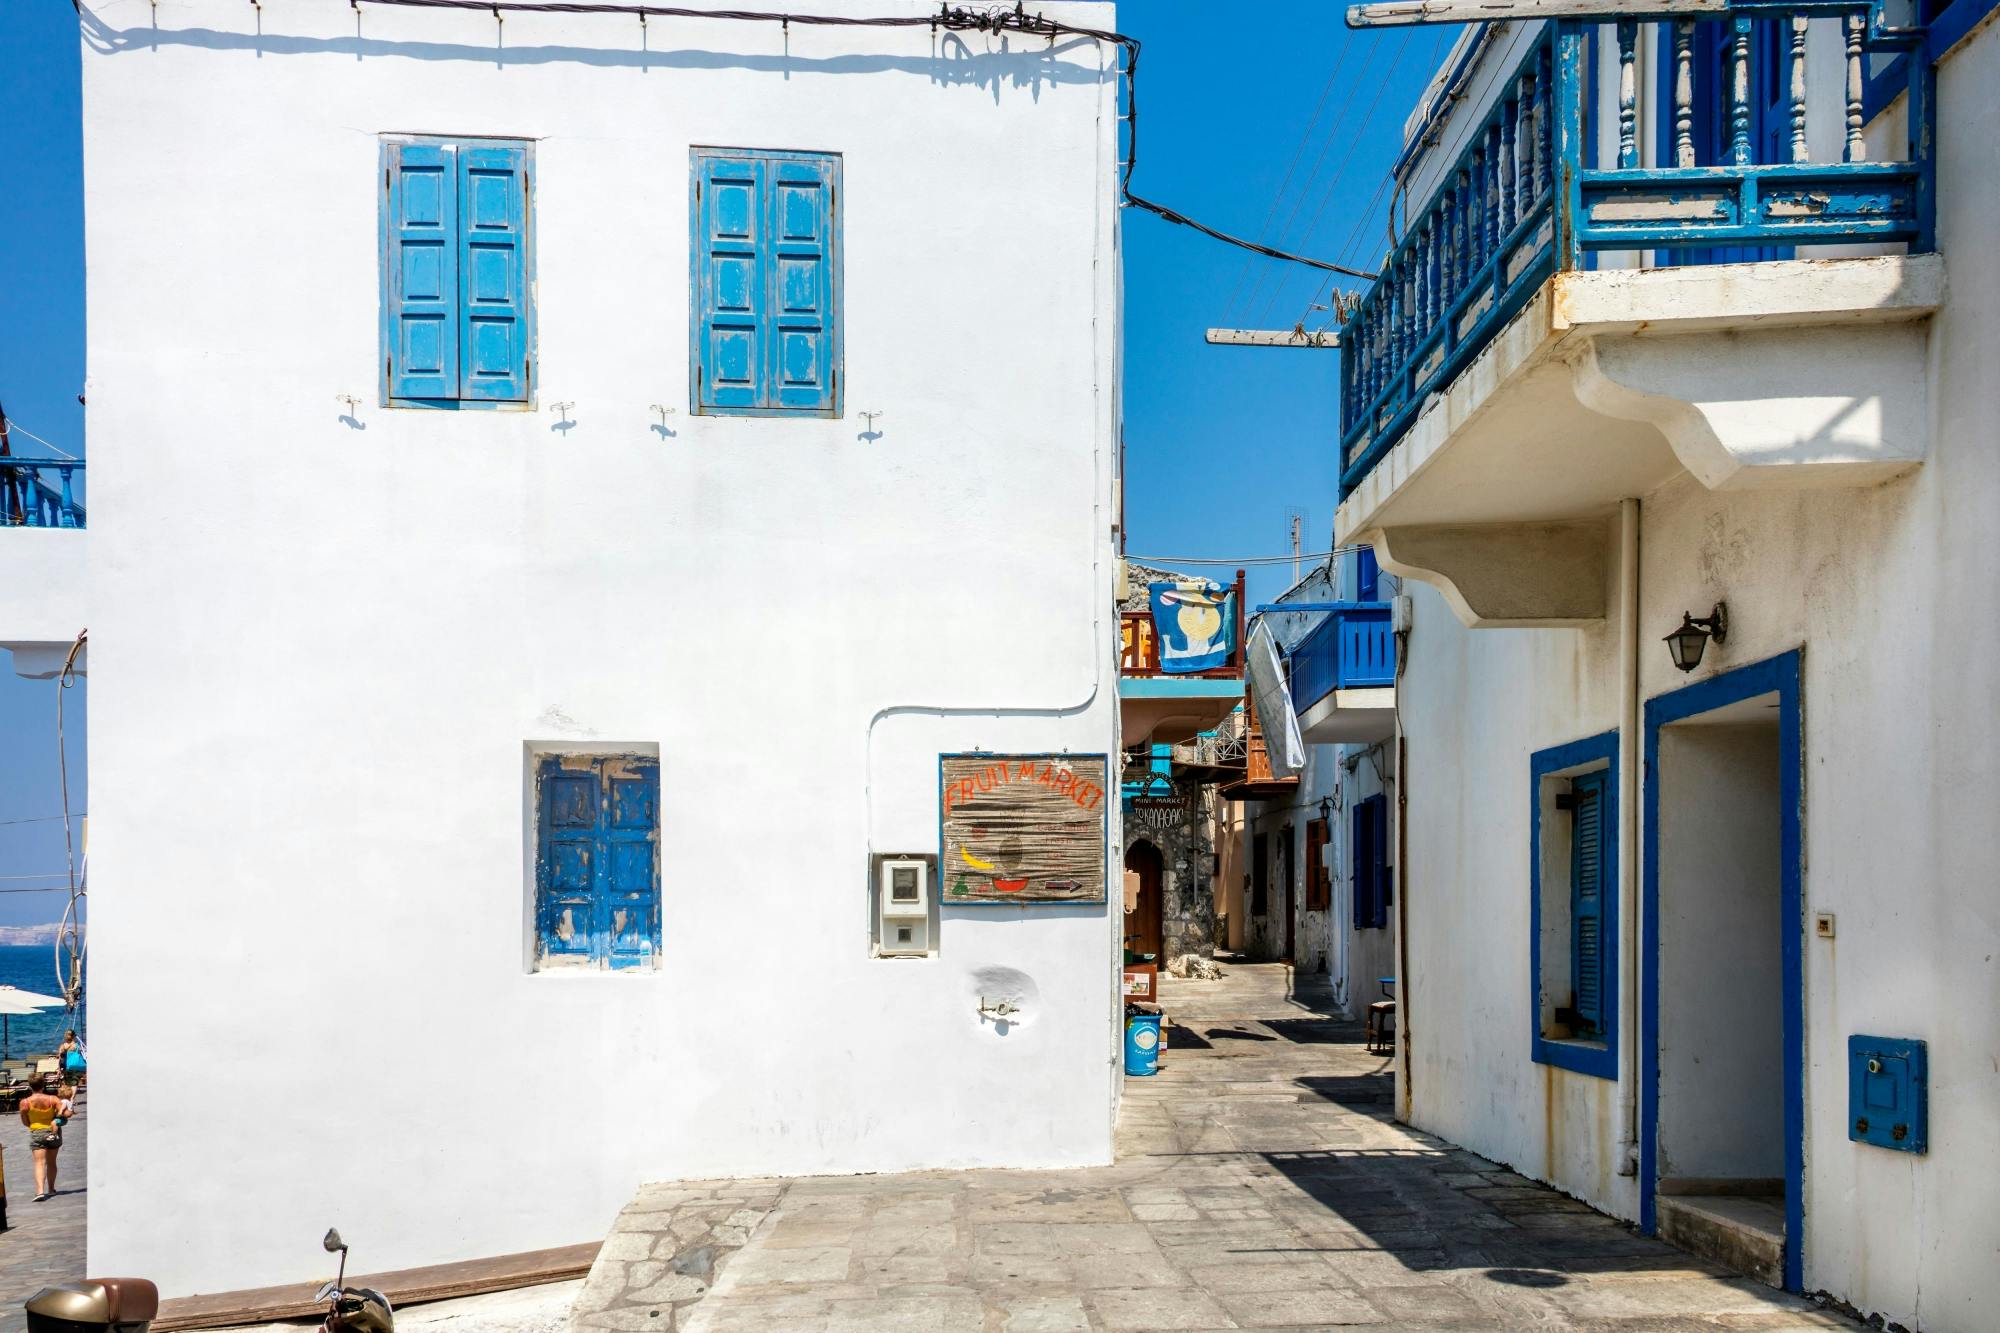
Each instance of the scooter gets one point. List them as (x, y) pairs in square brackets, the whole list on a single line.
[(131, 1304), (352, 1309)]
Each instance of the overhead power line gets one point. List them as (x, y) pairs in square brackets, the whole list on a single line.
[(952, 18)]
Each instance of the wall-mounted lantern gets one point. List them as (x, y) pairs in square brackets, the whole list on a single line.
[(1687, 642)]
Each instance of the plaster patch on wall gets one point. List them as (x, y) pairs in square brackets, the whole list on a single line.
[(555, 719)]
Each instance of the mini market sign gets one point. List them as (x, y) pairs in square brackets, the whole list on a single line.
[(1026, 828)]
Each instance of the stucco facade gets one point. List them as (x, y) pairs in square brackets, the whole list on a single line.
[(328, 636), (1880, 588)]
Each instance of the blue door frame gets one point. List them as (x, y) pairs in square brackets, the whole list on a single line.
[(1779, 675)]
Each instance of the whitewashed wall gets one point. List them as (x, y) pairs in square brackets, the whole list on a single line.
[(1888, 590), (323, 647)]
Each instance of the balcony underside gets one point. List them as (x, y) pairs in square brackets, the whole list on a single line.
[(1769, 374), (42, 597), (1167, 710), (1345, 716)]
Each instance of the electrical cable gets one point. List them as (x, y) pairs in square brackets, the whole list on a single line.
[(1333, 183), (1264, 229), (69, 934), (12, 424), (1391, 67), (38, 819), (952, 18), (1286, 559)]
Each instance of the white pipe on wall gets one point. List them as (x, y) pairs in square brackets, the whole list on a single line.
[(1629, 741)]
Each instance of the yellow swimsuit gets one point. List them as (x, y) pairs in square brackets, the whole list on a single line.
[(42, 1117)]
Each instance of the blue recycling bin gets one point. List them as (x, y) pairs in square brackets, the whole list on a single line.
[(1142, 1045)]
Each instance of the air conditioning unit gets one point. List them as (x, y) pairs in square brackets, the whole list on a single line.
[(903, 907)]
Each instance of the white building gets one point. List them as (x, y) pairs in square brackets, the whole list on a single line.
[(1682, 942), (510, 656), (1317, 884)]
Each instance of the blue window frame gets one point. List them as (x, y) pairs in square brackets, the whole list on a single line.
[(765, 290), (457, 272), (1573, 904), (1368, 825), (597, 869)]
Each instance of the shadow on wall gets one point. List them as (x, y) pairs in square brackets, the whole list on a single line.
[(952, 62)]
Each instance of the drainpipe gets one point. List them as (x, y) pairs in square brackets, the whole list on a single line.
[(1628, 825)]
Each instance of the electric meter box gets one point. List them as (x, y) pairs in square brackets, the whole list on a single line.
[(900, 899), (904, 887)]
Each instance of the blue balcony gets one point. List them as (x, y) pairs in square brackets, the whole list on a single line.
[(40, 492), (1704, 155), (1343, 674)]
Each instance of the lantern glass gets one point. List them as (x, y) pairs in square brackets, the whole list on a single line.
[(1686, 643)]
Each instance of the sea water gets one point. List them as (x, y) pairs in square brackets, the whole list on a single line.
[(32, 967)]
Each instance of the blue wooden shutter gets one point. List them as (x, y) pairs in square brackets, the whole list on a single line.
[(1367, 574), (800, 286), (493, 274), (420, 271), (566, 862), (1361, 839), (1587, 888), (631, 863), (1384, 872), (729, 331)]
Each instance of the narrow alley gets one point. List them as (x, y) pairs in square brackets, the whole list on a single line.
[(1261, 1183)]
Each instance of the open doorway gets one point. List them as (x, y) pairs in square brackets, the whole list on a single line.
[(1144, 923), (1721, 1017)]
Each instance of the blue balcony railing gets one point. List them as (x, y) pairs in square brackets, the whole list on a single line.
[(1527, 198), (40, 492), (1353, 648)]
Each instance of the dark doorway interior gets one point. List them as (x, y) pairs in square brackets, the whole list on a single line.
[(1143, 925)]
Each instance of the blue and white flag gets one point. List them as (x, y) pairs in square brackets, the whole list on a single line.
[(1195, 621)]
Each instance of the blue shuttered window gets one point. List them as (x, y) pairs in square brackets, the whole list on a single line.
[(765, 326), (597, 879), (1587, 880), (457, 316), (1368, 828)]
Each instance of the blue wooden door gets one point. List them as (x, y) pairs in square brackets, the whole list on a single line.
[(597, 863), (1769, 117)]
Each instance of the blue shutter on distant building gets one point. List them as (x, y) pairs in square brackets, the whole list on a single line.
[(597, 890), (1587, 884), (1368, 829), (457, 318), (765, 327)]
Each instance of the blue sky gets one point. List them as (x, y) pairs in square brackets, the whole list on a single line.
[(1267, 120)]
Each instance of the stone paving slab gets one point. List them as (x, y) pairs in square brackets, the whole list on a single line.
[(1260, 1184)]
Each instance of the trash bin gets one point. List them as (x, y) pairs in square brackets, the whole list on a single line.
[(1142, 1044)]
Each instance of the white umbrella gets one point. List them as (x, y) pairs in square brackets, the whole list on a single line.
[(14, 1000)]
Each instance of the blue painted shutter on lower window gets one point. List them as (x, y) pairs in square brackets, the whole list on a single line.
[(800, 285), (420, 271), (493, 274), (731, 343), (1587, 889), (597, 883)]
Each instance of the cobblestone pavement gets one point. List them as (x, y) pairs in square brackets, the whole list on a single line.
[(43, 1242), (1260, 1183)]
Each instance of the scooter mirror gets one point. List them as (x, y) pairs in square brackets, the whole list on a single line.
[(328, 1290), (333, 1243)]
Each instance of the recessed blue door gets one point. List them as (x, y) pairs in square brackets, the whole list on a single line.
[(597, 896)]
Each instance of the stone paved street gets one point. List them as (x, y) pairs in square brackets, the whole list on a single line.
[(1260, 1183), (43, 1242)]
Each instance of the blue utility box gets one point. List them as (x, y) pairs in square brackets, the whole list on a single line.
[(1888, 1093)]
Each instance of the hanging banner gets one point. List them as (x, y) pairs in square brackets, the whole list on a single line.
[(1024, 828), (1196, 624)]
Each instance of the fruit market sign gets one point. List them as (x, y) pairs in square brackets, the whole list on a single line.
[(1028, 828)]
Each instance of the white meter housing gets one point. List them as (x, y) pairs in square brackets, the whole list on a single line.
[(903, 907)]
